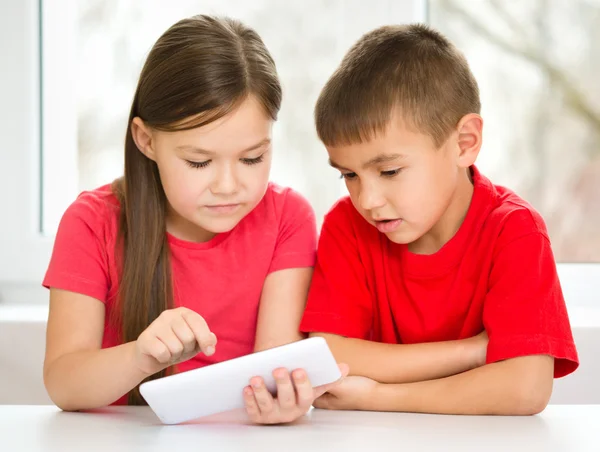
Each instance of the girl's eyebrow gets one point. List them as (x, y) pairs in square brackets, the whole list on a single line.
[(198, 150)]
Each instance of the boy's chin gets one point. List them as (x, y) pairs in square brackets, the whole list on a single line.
[(402, 237)]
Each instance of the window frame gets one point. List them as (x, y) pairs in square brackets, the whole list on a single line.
[(25, 251)]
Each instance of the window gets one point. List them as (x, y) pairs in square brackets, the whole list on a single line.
[(75, 69), (537, 67)]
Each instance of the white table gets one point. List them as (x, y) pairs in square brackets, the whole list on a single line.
[(45, 428)]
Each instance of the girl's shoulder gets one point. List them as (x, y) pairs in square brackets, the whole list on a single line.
[(281, 209), (281, 202), (96, 209)]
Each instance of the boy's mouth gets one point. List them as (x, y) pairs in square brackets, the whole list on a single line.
[(388, 225)]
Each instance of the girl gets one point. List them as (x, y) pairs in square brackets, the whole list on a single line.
[(192, 257)]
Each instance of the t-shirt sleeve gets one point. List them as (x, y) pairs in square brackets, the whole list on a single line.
[(79, 259), (297, 237), (524, 311), (339, 300)]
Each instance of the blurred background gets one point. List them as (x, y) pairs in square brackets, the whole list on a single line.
[(537, 63)]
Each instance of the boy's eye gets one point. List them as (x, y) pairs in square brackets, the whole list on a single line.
[(197, 164), (347, 176), (391, 173), (254, 161)]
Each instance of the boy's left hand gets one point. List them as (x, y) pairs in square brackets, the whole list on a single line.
[(295, 395), (353, 393)]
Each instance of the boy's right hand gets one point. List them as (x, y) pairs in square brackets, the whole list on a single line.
[(175, 336), (480, 344)]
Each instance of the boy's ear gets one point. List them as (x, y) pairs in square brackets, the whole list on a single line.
[(142, 136), (469, 139)]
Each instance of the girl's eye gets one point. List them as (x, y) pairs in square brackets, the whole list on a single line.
[(347, 176), (391, 173), (197, 164), (254, 161)]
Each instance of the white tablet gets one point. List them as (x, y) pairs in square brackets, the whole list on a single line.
[(219, 387)]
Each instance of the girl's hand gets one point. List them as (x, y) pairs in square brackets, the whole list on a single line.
[(295, 396), (175, 336)]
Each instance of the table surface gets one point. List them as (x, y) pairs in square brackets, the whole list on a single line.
[(46, 428)]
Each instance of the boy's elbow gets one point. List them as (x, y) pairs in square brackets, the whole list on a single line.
[(531, 401), (533, 389)]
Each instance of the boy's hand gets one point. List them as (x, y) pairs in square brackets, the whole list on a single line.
[(295, 396), (353, 393), (174, 337), (480, 343)]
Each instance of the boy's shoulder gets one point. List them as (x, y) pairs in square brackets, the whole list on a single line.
[(511, 217)]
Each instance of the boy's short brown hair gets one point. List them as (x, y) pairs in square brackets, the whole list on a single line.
[(412, 70)]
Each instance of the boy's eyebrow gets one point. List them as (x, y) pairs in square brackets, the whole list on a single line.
[(198, 150), (336, 166), (377, 160), (383, 158)]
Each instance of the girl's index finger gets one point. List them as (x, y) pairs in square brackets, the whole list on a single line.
[(205, 338)]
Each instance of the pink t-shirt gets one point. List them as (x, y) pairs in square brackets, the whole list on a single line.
[(221, 279)]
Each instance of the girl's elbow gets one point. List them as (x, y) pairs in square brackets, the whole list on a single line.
[(59, 396)]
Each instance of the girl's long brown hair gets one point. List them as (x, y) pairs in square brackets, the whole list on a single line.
[(199, 70)]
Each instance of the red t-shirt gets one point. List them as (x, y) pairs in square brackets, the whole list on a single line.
[(497, 272), (221, 279)]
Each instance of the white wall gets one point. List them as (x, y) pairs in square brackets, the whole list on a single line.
[(22, 338), (22, 342), (583, 386)]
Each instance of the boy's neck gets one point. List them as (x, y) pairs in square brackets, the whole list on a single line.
[(450, 222)]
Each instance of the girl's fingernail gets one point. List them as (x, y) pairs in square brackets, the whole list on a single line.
[(210, 350), (256, 384)]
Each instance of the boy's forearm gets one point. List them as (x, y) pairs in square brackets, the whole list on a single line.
[(519, 386), (398, 363), (92, 379)]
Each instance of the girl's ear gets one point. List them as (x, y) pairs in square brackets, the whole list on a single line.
[(142, 136)]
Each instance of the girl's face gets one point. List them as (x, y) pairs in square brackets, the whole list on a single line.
[(214, 175)]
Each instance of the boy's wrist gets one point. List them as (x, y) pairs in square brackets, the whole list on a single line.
[(372, 402)]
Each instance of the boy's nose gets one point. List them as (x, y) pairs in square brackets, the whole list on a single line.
[(370, 198)]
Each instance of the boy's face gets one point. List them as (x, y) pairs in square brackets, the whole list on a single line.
[(408, 189)]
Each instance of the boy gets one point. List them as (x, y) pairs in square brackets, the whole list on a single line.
[(427, 258)]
